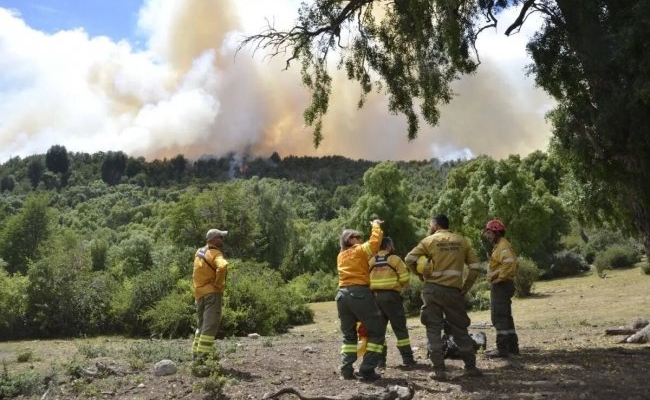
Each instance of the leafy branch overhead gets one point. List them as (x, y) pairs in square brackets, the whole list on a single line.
[(410, 50)]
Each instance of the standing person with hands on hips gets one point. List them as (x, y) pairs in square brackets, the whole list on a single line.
[(208, 284), (355, 302), (502, 268), (444, 291)]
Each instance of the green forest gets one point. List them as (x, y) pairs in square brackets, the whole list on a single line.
[(103, 243)]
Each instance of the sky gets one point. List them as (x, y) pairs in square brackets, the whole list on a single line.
[(158, 78)]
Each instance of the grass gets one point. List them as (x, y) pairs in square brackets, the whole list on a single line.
[(583, 300), (571, 313)]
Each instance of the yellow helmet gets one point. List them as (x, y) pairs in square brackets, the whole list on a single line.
[(423, 265)]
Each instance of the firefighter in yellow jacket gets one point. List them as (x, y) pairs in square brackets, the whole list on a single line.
[(444, 290), (208, 285), (502, 268), (355, 302), (388, 276)]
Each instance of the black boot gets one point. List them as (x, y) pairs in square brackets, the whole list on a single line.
[(470, 365), (502, 350), (347, 365), (407, 356), (513, 344), (439, 371)]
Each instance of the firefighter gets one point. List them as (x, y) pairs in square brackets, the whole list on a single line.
[(443, 294), (208, 284), (388, 276), (355, 302), (502, 268)]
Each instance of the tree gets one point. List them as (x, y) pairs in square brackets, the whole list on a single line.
[(56, 159), (385, 197), (35, 170), (483, 189), (7, 183), (23, 233), (224, 206), (276, 218), (178, 165), (591, 55), (113, 167)]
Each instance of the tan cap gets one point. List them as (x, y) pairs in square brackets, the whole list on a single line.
[(215, 233)]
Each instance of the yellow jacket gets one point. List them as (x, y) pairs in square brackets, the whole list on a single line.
[(503, 262), (352, 263), (387, 272), (448, 252), (210, 270)]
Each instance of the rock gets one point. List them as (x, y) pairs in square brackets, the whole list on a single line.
[(164, 367), (254, 335)]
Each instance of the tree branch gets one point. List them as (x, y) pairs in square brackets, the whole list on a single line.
[(300, 35), (393, 392), (520, 18)]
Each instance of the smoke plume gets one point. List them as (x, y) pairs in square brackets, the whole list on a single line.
[(185, 91)]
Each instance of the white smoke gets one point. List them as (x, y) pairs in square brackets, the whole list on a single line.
[(185, 92)]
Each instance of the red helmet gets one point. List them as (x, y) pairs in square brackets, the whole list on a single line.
[(495, 225)]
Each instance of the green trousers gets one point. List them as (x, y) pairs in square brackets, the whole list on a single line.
[(208, 311), (440, 303), (390, 304), (501, 313), (357, 304)]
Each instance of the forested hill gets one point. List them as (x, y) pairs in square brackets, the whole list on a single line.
[(104, 242), (58, 168)]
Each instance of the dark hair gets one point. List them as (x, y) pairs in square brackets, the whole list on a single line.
[(441, 220), (385, 242)]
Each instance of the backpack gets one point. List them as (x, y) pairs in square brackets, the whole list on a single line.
[(450, 348)]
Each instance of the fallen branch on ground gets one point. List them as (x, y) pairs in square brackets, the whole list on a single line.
[(638, 331), (393, 392), (620, 331)]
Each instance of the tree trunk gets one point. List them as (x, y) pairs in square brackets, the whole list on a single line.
[(641, 214)]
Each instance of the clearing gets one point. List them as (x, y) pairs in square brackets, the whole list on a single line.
[(565, 355)]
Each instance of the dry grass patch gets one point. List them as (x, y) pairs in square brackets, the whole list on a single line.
[(565, 354)]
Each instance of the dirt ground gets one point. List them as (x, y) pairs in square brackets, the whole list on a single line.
[(565, 355)]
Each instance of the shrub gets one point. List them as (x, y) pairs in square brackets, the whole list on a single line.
[(212, 387), (616, 257), (478, 297), (91, 351), (257, 300), (25, 356), (151, 351), (527, 275), (174, 314), (26, 383), (645, 268), (411, 296), (598, 241), (315, 287), (131, 301), (13, 304), (567, 263)]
